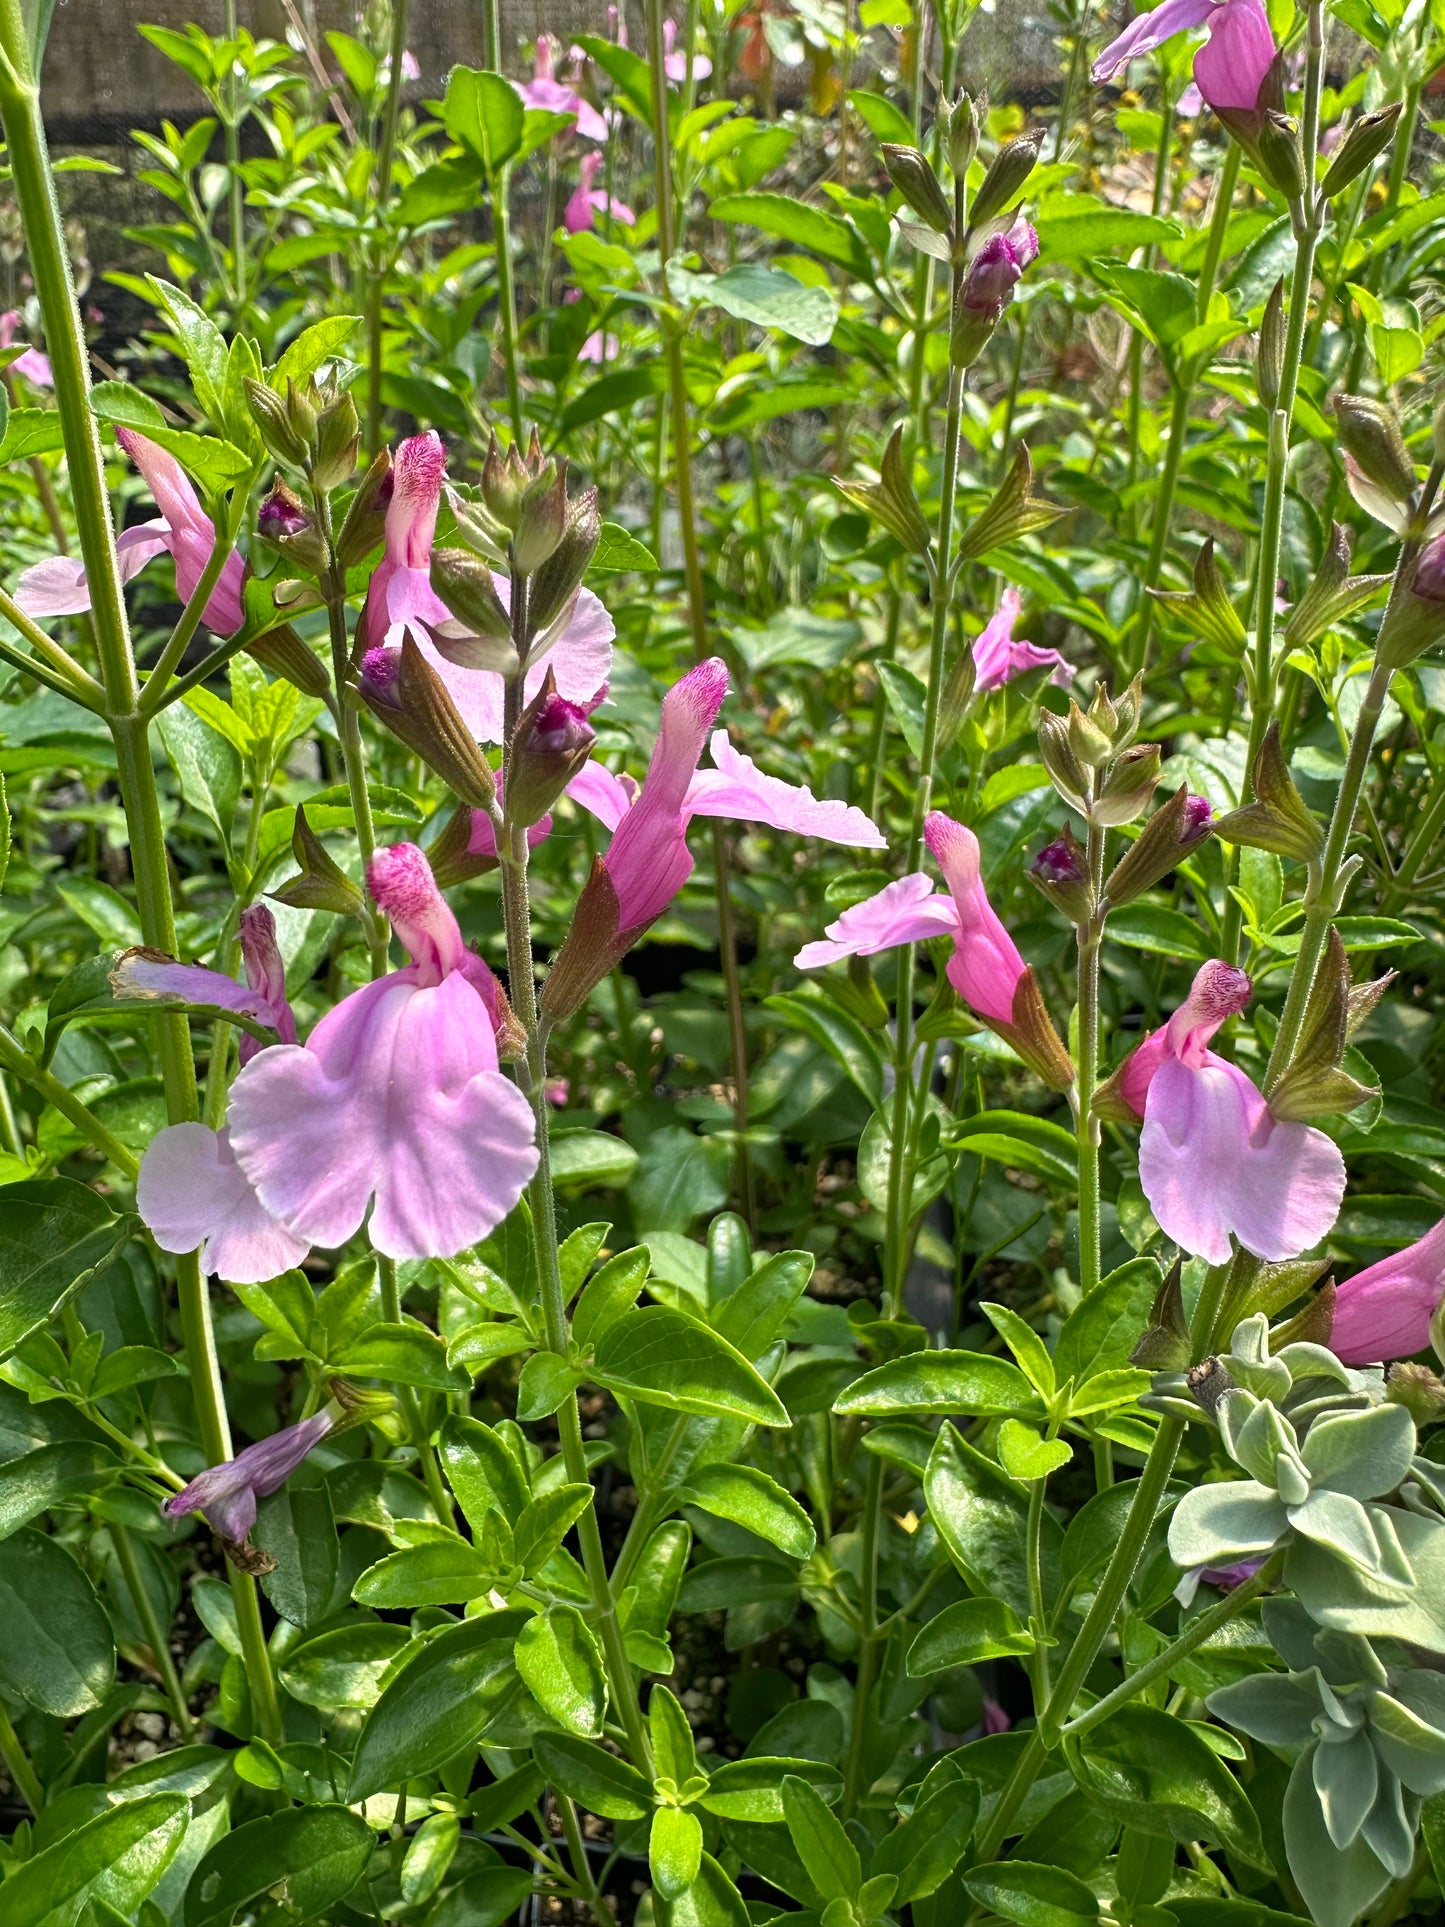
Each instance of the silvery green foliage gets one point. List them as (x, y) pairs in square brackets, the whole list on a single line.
[(1366, 1729), (1301, 1380)]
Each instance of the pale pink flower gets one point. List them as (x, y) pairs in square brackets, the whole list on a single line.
[(674, 58), (396, 1100), (1385, 1311), (192, 1195), (599, 348), (1229, 69), (58, 586), (552, 96), (587, 200), (1214, 1161), (34, 366), (227, 1493), (401, 600), (998, 658)]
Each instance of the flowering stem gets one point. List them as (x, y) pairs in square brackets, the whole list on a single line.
[(1071, 77), (696, 593), (1218, 228), (1159, 529), (376, 280), (1090, 937), (14, 1057), (506, 295), (1194, 1636)]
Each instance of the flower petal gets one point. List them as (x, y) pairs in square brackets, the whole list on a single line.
[(580, 659), (1213, 1161), (1151, 30), (605, 796), (191, 1192), (396, 1097), (907, 911), (737, 788)]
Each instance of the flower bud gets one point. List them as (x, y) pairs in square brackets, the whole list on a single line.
[(1418, 1389), (557, 581), (1007, 172), (1281, 159), (283, 521), (1127, 786), (365, 524), (1067, 773), (1060, 872), (1278, 819), (1365, 142), (1172, 832), (506, 479), (301, 411), (1415, 620), (464, 583), (1269, 360), (988, 289), (338, 441), (541, 519), (1091, 736), (1370, 434), (912, 174), (283, 652), (552, 740), (274, 424), (402, 690), (961, 137)]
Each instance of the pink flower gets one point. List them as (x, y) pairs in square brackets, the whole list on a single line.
[(675, 63), (1385, 1311), (598, 347), (227, 1493), (587, 200), (396, 1100), (985, 967), (997, 658), (547, 93), (1229, 69), (34, 366), (1214, 1161), (192, 1194), (400, 598), (995, 270), (57, 586), (144, 973), (995, 1720)]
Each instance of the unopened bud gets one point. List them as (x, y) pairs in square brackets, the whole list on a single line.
[(1172, 832), (1365, 142), (1007, 172), (1370, 434), (365, 523), (1060, 872), (402, 690), (321, 883), (301, 411), (284, 521), (557, 581), (463, 581), (1269, 361), (962, 136), (1278, 819), (988, 289), (1280, 156), (1127, 787), (274, 424), (1091, 735), (1418, 1389), (506, 479), (1415, 620), (541, 519), (284, 653), (551, 742), (338, 442), (912, 174), (1067, 773)]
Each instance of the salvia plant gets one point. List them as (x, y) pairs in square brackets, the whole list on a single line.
[(721, 1142)]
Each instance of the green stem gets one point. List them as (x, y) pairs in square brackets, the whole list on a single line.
[(232, 122), (407, 1399), (376, 280), (1421, 845), (581, 1867), (154, 1631), (1037, 1613), (1218, 227), (1159, 527), (72, 680), (1071, 78), (1202, 1629), (506, 296), (179, 639), (870, 1649), (14, 1057), (17, 1764), (1086, 1125)]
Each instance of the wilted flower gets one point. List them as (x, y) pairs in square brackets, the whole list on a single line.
[(227, 1493), (1385, 1311), (998, 658)]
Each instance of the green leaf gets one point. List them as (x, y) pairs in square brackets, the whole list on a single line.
[(54, 1238), (117, 1858), (433, 1847), (316, 1854), (546, 1379), (628, 69), (481, 1470), (1104, 1326), (561, 1666), (440, 1572), (1167, 933), (619, 552), (907, 700), (663, 1357), (850, 1046), (1156, 1774), (680, 1177), (343, 1668), (612, 1290), (827, 1853), (314, 346), (980, 1516), (711, 1901), (1028, 1143), (1025, 1456), (769, 297), (1033, 1895), (31, 431), (57, 1654), (589, 1774), (926, 1848), (881, 117), (791, 220), (585, 1158), (407, 1354), (752, 1317), (437, 1704), (1027, 1347), (36, 1481), (296, 1527), (972, 1384), (752, 1788), (674, 1851), (962, 1635), (1074, 227), (546, 1521), (484, 112), (208, 768), (754, 1501)]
